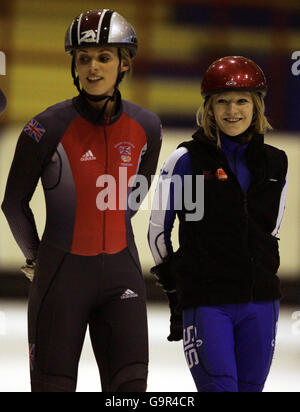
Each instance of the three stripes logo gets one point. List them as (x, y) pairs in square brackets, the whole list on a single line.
[(129, 294), (88, 156)]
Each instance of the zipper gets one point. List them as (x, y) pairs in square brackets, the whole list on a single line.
[(105, 172), (234, 160), (233, 175), (247, 244)]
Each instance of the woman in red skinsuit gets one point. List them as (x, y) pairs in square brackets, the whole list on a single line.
[(85, 269)]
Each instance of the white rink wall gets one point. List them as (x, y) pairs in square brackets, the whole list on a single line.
[(11, 258)]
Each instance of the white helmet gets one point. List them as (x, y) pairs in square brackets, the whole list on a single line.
[(98, 28)]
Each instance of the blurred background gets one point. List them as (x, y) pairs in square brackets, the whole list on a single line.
[(178, 39)]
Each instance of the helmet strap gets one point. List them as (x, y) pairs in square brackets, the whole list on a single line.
[(75, 78), (98, 98)]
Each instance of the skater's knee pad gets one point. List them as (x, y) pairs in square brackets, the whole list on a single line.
[(129, 375)]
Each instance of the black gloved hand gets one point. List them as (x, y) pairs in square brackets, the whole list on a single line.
[(176, 323), (167, 281), (164, 276)]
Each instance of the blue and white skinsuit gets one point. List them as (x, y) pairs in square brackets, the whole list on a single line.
[(228, 347)]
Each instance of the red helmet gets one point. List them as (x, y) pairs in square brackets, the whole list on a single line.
[(233, 73)]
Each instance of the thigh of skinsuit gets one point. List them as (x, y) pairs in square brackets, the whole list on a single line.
[(122, 355), (61, 298), (210, 348), (255, 339), (64, 301)]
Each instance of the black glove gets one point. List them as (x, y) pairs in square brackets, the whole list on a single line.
[(167, 281), (176, 324), (164, 276)]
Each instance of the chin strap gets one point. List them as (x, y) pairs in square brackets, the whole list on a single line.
[(91, 97)]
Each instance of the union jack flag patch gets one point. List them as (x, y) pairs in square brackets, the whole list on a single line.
[(35, 130)]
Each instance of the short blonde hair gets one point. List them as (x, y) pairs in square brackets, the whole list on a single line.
[(206, 120)]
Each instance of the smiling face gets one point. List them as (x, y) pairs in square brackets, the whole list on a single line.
[(97, 69), (233, 111)]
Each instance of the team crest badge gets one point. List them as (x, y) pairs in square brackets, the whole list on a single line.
[(125, 150)]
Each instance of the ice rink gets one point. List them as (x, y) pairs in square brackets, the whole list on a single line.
[(178, 40), (168, 371)]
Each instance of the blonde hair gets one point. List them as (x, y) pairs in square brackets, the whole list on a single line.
[(206, 120)]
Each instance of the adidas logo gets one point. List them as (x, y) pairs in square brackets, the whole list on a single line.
[(88, 156), (129, 294)]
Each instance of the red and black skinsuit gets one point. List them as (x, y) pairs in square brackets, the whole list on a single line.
[(88, 270)]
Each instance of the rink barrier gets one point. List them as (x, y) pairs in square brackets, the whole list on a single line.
[(15, 285)]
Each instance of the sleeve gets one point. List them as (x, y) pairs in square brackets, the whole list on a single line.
[(281, 208), (148, 162), (23, 178), (167, 201)]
